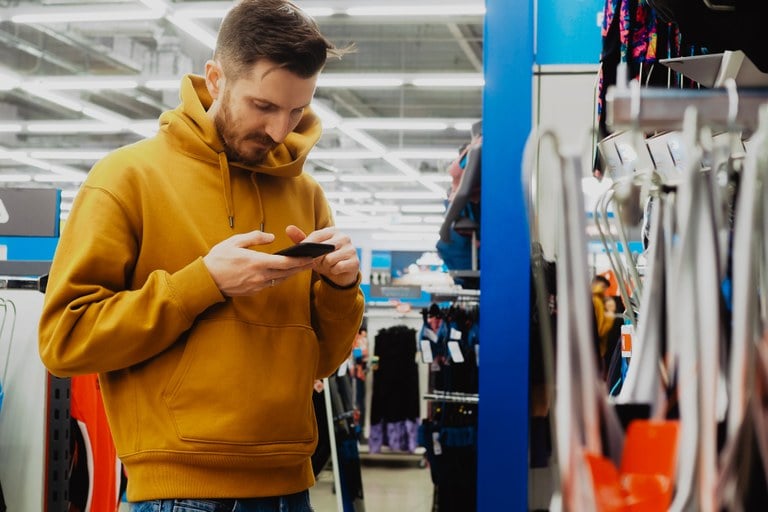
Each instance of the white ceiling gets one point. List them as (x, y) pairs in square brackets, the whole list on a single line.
[(80, 78)]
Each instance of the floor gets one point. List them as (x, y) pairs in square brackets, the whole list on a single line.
[(390, 483)]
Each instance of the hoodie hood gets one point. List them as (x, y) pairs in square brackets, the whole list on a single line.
[(190, 128)]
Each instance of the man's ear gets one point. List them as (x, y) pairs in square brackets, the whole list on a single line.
[(214, 78)]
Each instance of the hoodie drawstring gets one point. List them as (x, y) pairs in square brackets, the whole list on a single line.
[(225, 181), (261, 204)]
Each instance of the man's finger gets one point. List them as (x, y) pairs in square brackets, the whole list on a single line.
[(252, 238)]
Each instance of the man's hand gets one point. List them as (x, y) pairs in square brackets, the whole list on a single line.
[(340, 266), (238, 271)]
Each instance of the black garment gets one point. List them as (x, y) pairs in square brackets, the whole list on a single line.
[(396, 381), (741, 29)]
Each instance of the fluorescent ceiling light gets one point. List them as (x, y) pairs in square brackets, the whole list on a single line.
[(341, 154), (58, 178), (65, 207), (10, 128), (433, 219), (406, 237), (425, 153), (412, 229), (71, 104), (359, 81), (409, 219), (448, 81), (396, 124), (50, 15), (69, 194), (324, 178), (463, 127), (63, 215), (373, 178), (217, 12), (475, 9), (423, 208), (65, 83), (84, 126), (15, 178), (68, 155), (409, 195), (348, 195), (351, 219), (373, 208), (162, 85)]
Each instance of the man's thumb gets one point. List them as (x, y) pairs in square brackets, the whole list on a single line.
[(295, 234)]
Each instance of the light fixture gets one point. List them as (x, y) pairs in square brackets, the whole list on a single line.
[(412, 229), (69, 194), (68, 155), (10, 128), (396, 124), (324, 178), (410, 195), (408, 219), (52, 15), (15, 178), (423, 208), (75, 83), (427, 238), (426, 153), (449, 81), (203, 11), (374, 178), (463, 126), (439, 178), (371, 208), (341, 154), (358, 81), (470, 9), (348, 195), (433, 219), (58, 178), (162, 85), (82, 126)]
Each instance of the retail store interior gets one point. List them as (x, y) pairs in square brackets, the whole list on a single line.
[(611, 157)]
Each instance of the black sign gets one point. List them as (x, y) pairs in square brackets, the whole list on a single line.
[(29, 212)]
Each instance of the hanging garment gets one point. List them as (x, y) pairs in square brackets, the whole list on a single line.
[(395, 398)]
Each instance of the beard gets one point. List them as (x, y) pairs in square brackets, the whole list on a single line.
[(239, 147)]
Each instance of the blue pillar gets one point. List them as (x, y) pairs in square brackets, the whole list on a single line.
[(505, 261)]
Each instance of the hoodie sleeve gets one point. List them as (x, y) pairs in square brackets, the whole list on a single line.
[(92, 322), (337, 312)]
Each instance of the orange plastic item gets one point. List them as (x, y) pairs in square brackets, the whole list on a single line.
[(648, 464)]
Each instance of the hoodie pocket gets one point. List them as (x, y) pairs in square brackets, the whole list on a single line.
[(239, 383)]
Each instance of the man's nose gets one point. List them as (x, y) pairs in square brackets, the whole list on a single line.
[(279, 127)]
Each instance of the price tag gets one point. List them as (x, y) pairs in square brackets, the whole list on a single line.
[(426, 351), (627, 334), (455, 334), (455, 350), (430, 335), (437, 448)]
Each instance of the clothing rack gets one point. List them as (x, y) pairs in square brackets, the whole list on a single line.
[(664, 109), (462, 398)]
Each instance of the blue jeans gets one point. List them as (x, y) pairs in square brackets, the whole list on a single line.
[(292, 503)]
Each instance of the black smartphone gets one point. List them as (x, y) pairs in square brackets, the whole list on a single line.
[(307, 249)]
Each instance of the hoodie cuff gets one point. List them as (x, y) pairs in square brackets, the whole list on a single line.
[(337, 300), (194, 289)]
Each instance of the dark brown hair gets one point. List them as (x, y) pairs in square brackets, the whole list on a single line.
[(274, 30)]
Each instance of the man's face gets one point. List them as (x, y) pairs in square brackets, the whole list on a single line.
[(259, 110)]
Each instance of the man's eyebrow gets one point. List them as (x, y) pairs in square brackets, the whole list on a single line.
[(271, 104)]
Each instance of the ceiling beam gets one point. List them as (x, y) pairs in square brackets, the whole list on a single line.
[(470, 50)]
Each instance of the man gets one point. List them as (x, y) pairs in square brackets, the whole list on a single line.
[(164, 283)]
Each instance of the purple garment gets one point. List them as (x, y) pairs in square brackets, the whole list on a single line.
[(400, 436)]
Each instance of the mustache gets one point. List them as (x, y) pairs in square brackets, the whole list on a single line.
[(262, 138)]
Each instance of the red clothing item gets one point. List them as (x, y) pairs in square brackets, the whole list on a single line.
[(87, 408)]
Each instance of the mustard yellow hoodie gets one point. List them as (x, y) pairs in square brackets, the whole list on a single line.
[(206, 396)]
